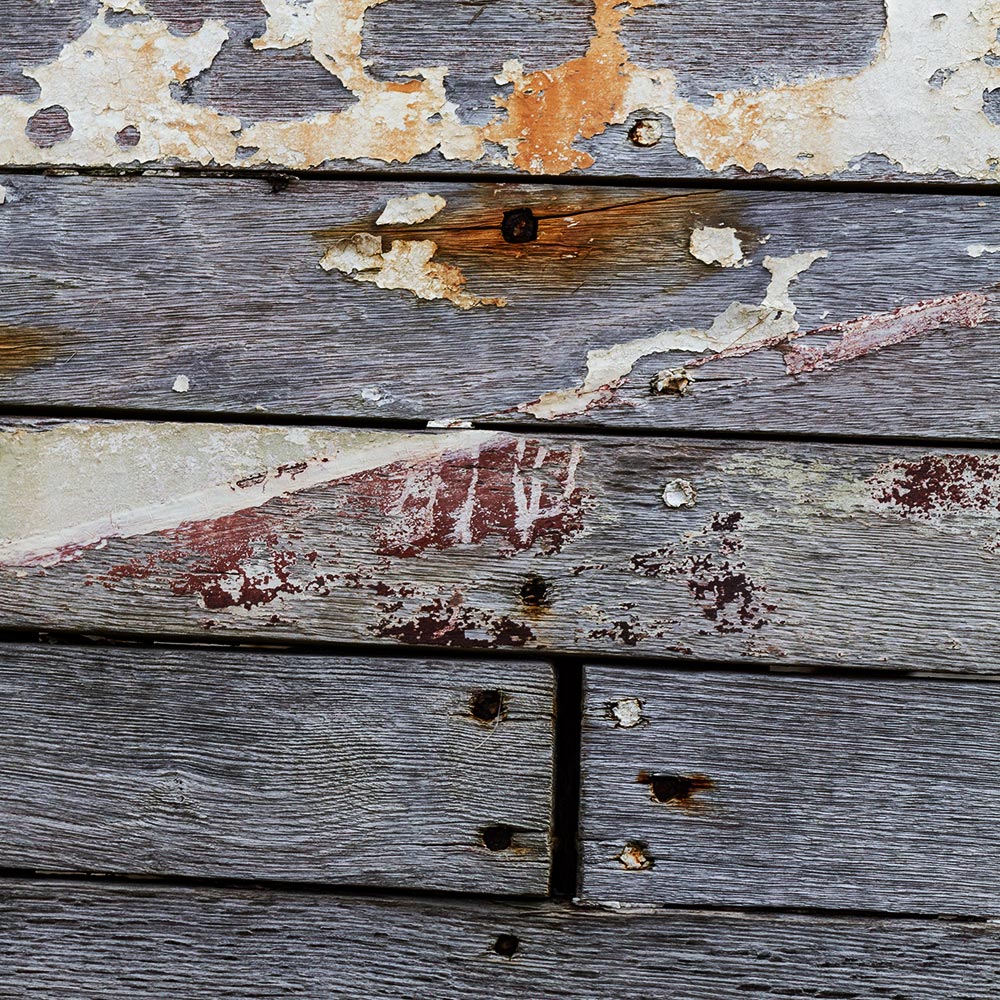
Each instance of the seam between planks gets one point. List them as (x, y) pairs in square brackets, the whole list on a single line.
[(280, 179)]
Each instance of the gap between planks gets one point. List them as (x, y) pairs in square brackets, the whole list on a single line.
[(43, 412), (280, 179)]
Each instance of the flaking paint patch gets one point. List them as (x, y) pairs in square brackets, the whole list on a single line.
[(978, 249), (407, 265), (739, 329), (407, 210), (122, 486), (919, 103), (718, 245)]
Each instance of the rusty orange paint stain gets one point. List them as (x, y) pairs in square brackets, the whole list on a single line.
[(550, 109)]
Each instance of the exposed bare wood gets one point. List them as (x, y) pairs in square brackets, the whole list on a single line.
[(194, 761), (722, 790), (802, 553), (113, 289), (109, 941)]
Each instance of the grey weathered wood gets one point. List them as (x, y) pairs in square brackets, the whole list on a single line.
[(722, 790), (111, 288), (705, 48), (195, 761), (796, 553), (72, 939)]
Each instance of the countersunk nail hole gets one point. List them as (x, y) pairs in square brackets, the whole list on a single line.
[(675, 788), (519, 226), (535, 592), (506, 945), (488, 705), (498, 837), (635, 857)]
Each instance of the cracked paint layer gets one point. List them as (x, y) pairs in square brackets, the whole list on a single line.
[(740, 328), (408, 265), (919, 103)]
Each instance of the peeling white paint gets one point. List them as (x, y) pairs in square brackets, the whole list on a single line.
[(919, 103), (181, 384), (716, 245), (411, 209), (739, 329), (407, 264), (978, 249), (3, 195), (121, 487)]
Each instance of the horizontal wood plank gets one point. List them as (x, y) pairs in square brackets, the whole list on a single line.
[(856, 89), (723, 790), (855, 313), (740, 551), (67, 939), (195, 761)]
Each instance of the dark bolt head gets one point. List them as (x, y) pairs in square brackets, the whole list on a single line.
[(519, 226)]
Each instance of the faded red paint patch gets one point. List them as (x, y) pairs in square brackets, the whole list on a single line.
[(520, 492), (453, 623), (239, 560), (939, 484)]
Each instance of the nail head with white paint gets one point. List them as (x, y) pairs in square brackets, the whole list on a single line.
[(679, 493)]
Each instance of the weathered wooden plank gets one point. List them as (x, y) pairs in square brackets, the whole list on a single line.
[(209, 762), (782, 790), (112, 288), (800, 88), (63, 938), (807, 553)]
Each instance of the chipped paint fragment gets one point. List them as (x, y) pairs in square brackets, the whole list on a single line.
[(717, 245), (739, 329), (408, 265), (409, 210), (181, 384), (680, 493), (978, 249), (3, 195)]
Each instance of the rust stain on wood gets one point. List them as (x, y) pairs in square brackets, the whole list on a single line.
[(23, 347)]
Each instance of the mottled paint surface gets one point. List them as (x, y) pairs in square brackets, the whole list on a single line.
[(110, 97)]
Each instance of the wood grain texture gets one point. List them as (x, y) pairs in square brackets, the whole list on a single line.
[(792, 89), (111, 288), (195, 761), (66, 939), (739, 551), (721, 790)]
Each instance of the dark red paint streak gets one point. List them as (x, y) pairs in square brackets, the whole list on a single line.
[(521, 493)]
